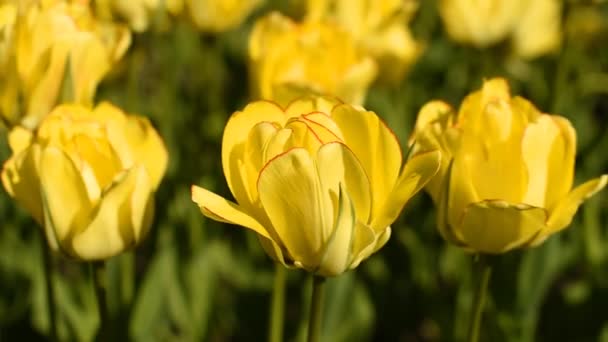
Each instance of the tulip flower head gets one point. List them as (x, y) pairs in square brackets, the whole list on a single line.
[(88, 177), (379, 27), (53, 51), (319, 181), (506, 179), (289, 60), (534, 26)]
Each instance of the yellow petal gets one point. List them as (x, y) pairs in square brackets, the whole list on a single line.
[(300, 214), (310, 104), (541, 143), (338, 248), (43, 94), (220, 209), (495, 227), (111, 230), (462, 191), (64, 195), (416, 173), (564, 211), (235, 136), (538, 30), (147, 147), (142, 204), (446, 210), (89, 62), (323, 126), (561, 163), (20, 179), (338, 167), (376, 147), (364, 243), (19, 139), (353, 87), (274, 251), (382, 238), (428, 114)]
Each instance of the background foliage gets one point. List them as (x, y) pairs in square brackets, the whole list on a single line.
[(198, 280)]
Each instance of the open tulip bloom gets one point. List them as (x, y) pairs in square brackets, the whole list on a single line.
[(320, 182), (88, 177), (506, 178)]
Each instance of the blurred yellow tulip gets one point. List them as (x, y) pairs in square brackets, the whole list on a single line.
[(214, 15), (88, 177), (533, 25), (320, 182), (508, 170), (58, 52), (289, 60), (379, 27)]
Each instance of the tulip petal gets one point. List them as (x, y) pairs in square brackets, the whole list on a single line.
[(142, 204), (148, 147), (561, 163), (356, 81), (310, 104), (20, 179), (376, 147), (235, 136), (290, 193), (274, 251), (539, 141), (445, 206), (338, 248), (338, 166), (564, 211), (497, 226), (65, 200), (19, 139), (416, 173), (110, 230), (220, 209), (365, 243), (89, 63)]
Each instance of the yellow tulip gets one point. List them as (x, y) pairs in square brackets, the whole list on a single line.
[(378, 27), (88, 177), (508, 170), (533, 25), (59, 51), (213, 15), (289, 60), (320, 182)]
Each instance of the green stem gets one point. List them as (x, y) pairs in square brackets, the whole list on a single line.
[(316, 309), (99, 282), (277, 311), (50, 289), (127, 278), (485, 272)]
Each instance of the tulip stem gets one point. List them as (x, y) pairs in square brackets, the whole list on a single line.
[(99, 282), (485, 272), (50, 290), (316, 309), (277, 310)]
